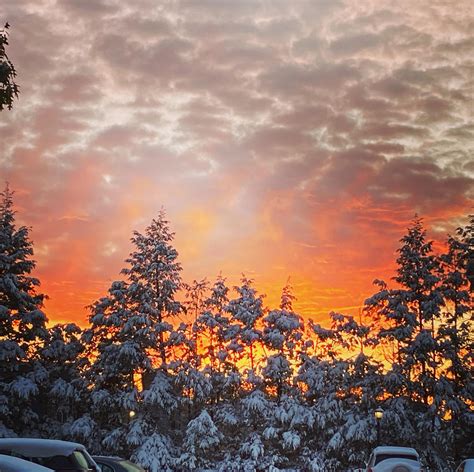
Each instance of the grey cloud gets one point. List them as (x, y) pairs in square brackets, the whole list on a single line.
[(421, 183), (97, 7), (296, 80), (312, 113), (348, 45), (390, 131)]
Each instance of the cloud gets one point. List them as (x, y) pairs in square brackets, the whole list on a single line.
[(282, 137)]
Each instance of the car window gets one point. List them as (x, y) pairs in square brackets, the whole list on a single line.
[(382, 457), (105, 467), (56, 462), (78, 456)]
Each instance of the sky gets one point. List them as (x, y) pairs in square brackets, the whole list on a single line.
[(284, 138)]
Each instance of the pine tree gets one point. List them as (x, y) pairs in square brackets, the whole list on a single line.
[(283, 336), (212, 323), (409, 314), (131, 335), (246, 311), (9, 90), (154, 279), (214, 327), (456, 387), (201, 443), (22, 323), (118, 348), (63, 391), (411, 319)]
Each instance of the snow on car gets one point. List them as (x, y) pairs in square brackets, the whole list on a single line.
[(394, 459), (15, 464), (466, 466), (50, 453)]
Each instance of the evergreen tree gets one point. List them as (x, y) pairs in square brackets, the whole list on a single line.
[(409, 314), (130, 335), (8, 88), (201, 443), (283, 336), (117, 343), (456, 388), (22, 324), (415, 318), (212, 324), (247, 312), (154, 279), (63, 391)]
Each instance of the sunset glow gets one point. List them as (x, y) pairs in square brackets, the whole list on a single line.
[(284, 139)]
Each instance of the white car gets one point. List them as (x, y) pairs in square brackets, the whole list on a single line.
[(394, 459), (50, 453), (15, 464), (466, 466)]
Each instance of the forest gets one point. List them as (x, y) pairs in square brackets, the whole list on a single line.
[(205, 376)]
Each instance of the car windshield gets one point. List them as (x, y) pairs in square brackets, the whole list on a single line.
[(382, 457), (76, 461), (129, 467)]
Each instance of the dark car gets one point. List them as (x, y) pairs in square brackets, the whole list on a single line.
[(116, 464), (60, 456)]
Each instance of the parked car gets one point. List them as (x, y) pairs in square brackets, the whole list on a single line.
[(15, 464), (466, 466), (60, 456), (394, 459), (116, 464)]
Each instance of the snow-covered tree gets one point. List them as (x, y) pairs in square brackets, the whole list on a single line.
[(283, 338), (156, 453), (22, 323), (201, 443), (418, 318), (63, 390), (214, 329), (154, 280), (212, 323), (409, 313), (131, 335), (247, 312), (455, 390)]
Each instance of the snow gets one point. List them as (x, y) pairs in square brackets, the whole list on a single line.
[(23, 388), (39, 447), (15, 464), (155, 454), (83, 427), (395, 450)]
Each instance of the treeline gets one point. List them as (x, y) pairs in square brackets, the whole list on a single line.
[(219, 381)]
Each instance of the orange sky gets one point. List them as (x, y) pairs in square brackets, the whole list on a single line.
[(282, 138)]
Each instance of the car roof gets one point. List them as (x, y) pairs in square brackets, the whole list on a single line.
[(39, 447), (395, 450), (15, 464)]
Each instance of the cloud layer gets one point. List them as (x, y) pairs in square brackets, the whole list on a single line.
[(283, 138)]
